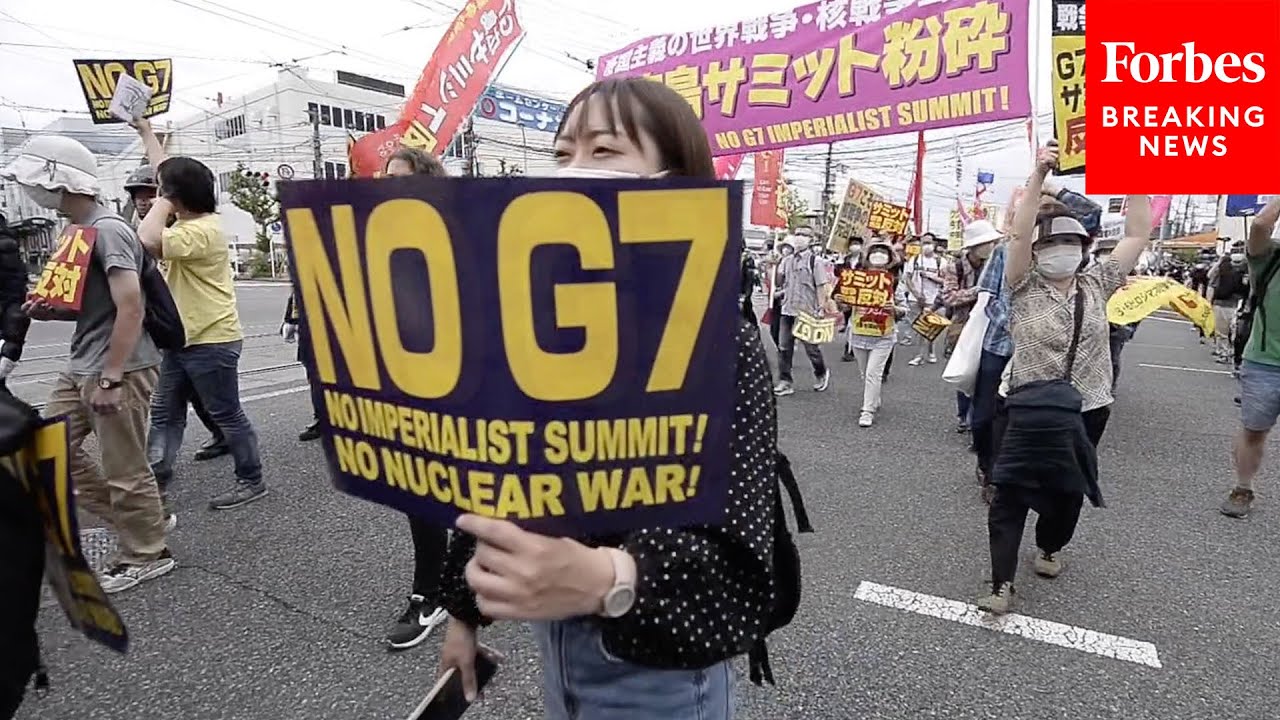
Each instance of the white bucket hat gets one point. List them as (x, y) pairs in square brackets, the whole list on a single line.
[(55, 162), (980, 232)]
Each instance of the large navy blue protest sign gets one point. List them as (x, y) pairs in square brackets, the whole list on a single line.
[(558, 353)]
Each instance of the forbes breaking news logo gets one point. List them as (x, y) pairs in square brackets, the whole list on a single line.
[(1183, 96)]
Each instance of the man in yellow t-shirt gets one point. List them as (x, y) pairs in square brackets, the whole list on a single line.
[(199, 276)]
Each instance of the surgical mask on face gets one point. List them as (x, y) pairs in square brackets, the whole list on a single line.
[(45, 198), (855, 251), (1058, 261), (602, 174), (1237, 258), (926, 249), (878, 259)]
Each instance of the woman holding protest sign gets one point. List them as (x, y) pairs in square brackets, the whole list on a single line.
[(1058, 382), (873, 331), (641, 625)]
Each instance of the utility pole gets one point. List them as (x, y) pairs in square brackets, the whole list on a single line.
[(828, 183), (317, 154), (469, 149)]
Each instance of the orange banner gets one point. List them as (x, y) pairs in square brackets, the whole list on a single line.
[(766, 192), (467, 58), (62, 282)]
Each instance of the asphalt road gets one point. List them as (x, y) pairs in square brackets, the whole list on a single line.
[(277, 610)]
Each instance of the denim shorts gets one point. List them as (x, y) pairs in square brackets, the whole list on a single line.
[(1259, 395)]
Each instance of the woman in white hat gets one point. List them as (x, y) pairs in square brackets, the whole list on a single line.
[(960, 292)]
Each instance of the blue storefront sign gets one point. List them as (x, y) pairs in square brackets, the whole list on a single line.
[(532, 113)]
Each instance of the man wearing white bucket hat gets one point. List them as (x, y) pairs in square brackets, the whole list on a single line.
[(113, 365), (960, 292)]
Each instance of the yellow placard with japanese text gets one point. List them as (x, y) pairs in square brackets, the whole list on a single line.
[(61, 283), (43, 469), (836, 70), (852, 217), (98, 80), (930, 324), (887, 218), (1067, 47), (870, 292)]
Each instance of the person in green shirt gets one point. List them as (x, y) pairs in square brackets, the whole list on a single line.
[(1260, 371)]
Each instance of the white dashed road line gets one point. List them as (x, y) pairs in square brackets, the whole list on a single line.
[(1207, 371), (1046, 631), (274, 393)]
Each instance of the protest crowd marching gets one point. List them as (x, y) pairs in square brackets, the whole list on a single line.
[(649, 547)]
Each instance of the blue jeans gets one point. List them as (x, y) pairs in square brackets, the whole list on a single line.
[(210, 372), (582, 681)]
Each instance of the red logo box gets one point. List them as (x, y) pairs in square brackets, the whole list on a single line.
[(1158, 124)]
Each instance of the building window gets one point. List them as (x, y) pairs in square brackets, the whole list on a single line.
[(455, 147), (324, 115), (360, 122), (335, 170), (382, 122), (229, 128), (348, 121), (312, 110)]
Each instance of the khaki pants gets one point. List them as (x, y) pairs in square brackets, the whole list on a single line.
[(122, 491), (1224, 316)]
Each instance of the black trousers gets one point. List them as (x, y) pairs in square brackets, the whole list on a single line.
[(985, 419), (429, 545), (775, 322), (1058, 513), (206, 419), (22, 538)]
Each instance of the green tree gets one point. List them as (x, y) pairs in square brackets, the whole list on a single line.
[(252, 193), (795, 207)]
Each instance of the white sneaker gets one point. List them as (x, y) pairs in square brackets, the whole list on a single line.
[(866, 419), (170, 522), (783, 389), (123, 577), (933, 359), (823, 382), (915, 361)]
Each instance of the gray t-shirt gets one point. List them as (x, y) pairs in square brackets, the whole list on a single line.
[(803, 273), (117, 246)]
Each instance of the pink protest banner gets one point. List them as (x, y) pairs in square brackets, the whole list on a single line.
[(822, 73)]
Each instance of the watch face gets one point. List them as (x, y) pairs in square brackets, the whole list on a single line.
[(619, 601)]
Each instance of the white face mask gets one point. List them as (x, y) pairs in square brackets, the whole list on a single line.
[(1237, 258), (1058, 261), (45, 198), (602, 174), (878, 259)]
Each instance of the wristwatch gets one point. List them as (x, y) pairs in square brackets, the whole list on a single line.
[(620, 598), (109, 384)]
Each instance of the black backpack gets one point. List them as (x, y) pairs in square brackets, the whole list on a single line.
[(161, 320), (786, 570), (1253, 303)]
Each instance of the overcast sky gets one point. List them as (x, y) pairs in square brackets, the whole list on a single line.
[(229, 46)]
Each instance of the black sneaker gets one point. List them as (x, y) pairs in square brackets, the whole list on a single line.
[(311, 432), (212, 448), (243, 493), (415, 624)]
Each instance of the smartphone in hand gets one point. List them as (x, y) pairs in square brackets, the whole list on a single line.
[(447, 701)]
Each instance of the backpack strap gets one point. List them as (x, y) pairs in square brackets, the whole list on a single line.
[(1259, 290), (758, 668), (788, 480)]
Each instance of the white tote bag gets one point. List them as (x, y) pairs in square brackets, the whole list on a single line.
[(962, 368)]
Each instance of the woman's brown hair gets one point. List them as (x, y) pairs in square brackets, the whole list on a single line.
[(633, 102), (422, 163)]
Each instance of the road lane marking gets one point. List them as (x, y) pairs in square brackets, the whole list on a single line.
[(1046, 631), (1187, 369), (275, 393)]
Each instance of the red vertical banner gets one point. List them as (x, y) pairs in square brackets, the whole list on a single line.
[(915, 197), (467, 58), (767, 190)]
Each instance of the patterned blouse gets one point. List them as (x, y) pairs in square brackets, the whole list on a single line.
[(703, 593), (1041, 321)]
